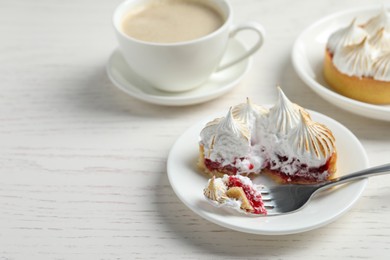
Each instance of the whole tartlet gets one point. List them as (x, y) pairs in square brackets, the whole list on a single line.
[(283, 142), (357, 60)]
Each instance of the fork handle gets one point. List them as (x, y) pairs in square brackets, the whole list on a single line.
[(373, 171)]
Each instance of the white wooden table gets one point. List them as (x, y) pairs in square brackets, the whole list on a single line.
[(83, 166)]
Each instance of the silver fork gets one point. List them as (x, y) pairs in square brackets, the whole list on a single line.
[(282, 199)]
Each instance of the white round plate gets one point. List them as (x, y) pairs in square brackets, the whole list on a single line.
[(188, 184), (218, 84), (308, 55)]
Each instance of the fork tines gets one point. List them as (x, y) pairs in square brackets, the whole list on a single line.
[(267, 199)]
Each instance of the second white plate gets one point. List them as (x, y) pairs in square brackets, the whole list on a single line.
[(308, 55), (188, 184)]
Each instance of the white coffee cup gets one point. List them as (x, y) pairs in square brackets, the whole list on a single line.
[(182, 66)]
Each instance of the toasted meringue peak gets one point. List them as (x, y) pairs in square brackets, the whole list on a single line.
[(216, 190), (284, 116), (230, 124), (381, 68), (382, 20), (225, 139), (381, 41), (207, 135), (349, 35), (355, 60), (220, 126), (312, 139), (247, 112), (214, 122)]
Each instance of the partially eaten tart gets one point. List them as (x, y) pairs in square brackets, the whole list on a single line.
[(283, 142)]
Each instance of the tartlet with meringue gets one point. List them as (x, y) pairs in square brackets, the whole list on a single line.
[(357, 60), (283, 142)]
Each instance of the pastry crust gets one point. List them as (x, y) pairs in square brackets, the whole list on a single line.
[(239, 194), (202, 166), (363, 89)]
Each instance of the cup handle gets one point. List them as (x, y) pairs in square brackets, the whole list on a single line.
[(256, 27)]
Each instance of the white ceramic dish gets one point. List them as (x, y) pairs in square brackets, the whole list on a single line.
[(218, 84), (308, 55), (188, 183)]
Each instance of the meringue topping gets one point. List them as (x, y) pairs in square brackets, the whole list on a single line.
[(276, 137), (231, 125), (349, 35), (216, 190), (207, 135), (284, 116), (381, 68), (312, 138), (355, 60), (380, 42), (248, 113), (382, 20), (356, 48), (226, 139)]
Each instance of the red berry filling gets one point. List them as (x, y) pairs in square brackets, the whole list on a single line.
[(227, 169), (303, 173), (252, 195)]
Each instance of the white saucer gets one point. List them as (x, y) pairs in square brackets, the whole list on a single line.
[(308, 55), (188, 184), (219, 83)]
